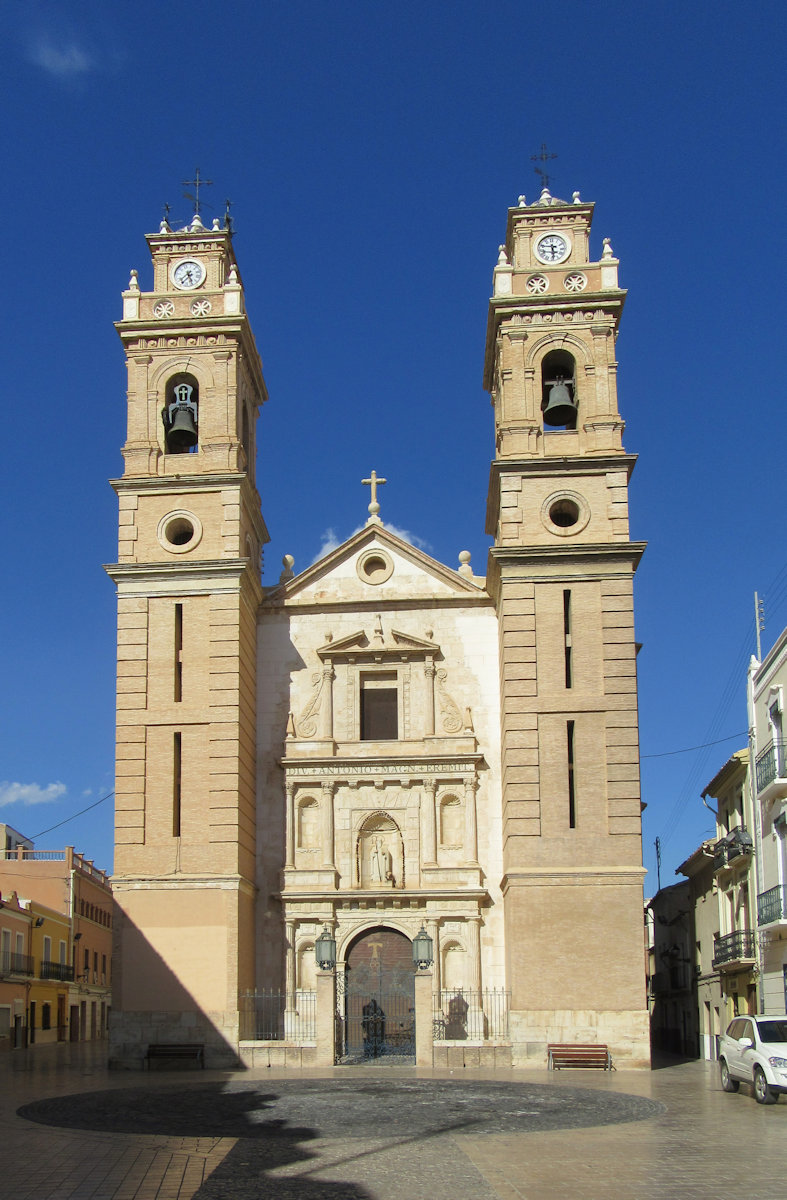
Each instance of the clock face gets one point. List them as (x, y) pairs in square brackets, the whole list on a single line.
[(552, 248), (188, 274)]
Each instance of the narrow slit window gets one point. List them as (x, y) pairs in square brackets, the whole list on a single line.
[(567, 636), (178, 653), (572, 805), (176, 781)]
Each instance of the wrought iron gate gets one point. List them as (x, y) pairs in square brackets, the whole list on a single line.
[(375, 1015)]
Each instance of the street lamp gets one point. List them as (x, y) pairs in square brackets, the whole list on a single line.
[(423, 950), (325, 950)]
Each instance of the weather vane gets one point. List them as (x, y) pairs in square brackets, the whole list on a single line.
[(196, 183), (542, 157), (229, 224)]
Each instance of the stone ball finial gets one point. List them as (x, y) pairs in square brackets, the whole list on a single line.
[(607, 252), (133, 283), (215, 226), (232, 278), (502, 257), (465, 570), (287, 573), (575, 198), (523, 202)]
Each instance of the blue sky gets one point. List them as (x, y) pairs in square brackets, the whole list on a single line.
[(371, 152)]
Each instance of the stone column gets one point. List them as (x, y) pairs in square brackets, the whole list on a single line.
[(326, 703), (289, 858), (325, 1055), (471, 820), (289, 977), (433, 929), (429, 672), (475, 1015), (328, 853), (428, 825), (424, 1053)]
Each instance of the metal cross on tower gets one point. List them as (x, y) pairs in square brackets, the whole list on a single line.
[(374, 507), (196, 183), (542, 157)]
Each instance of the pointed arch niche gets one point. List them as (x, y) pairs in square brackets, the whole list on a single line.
[(379, 853)]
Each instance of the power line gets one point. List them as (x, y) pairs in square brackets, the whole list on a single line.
[(702, 746), (74, 816)]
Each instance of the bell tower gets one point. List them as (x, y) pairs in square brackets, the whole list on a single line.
[(561, 573), (188, 585)]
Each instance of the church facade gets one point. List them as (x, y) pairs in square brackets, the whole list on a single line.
[(381, 743)]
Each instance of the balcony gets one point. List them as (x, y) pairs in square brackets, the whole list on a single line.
[(55, 970), (771, 771), (734, 951), (772, 905), (15, 964), (734, 850)]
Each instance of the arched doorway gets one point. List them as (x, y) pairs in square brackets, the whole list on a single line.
[(376, 1004)]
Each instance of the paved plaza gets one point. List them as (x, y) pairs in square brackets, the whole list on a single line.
[(73, 1130)]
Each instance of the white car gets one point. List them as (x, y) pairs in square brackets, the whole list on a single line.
[(754, 1050)]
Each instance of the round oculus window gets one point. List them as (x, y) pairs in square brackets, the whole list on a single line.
[(565, 513), (374, 567), (179, 532)]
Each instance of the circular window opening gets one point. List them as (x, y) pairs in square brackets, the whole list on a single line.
[(375, 567), (179, 532), (564, 513)]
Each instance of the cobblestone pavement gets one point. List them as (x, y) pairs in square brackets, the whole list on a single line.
[(369, 1133)]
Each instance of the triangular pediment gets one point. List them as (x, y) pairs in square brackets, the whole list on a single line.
[(377, 643), (375, 566)]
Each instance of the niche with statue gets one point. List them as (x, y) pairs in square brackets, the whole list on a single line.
[(380, 853)]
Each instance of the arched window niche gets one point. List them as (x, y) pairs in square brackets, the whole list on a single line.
[(451, 823), (559, 401), (308, 824), (180, 415)]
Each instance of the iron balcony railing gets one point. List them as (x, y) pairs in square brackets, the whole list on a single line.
[(56, 970), (770, 763), (733, 947), (15, 964), (772, 905)]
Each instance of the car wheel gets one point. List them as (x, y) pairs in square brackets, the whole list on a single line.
[(727, 1082), (763, 1092)]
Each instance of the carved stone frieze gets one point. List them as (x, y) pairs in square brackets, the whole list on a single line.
[(306, 722)]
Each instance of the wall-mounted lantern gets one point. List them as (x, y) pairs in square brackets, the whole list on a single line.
[(325, 950), (423, 950)]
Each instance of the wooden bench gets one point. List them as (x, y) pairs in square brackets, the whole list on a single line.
[(579, 1054), (179, 1051)]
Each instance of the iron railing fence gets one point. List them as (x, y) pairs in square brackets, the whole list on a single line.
[(271, 1016), (734, 947), (57, 970), (770, 763), (461, 1015), (772, 905), (15, 964)]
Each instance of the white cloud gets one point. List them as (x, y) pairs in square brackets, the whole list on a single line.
[(30, 793), (331, 541), (67, 60)]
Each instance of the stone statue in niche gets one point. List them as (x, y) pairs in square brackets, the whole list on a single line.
[(380, 864)]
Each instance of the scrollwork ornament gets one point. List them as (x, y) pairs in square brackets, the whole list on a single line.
[(449, 709), (306, 723)]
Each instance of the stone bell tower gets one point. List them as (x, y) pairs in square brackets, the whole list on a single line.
[(561, 574), (188, 586)]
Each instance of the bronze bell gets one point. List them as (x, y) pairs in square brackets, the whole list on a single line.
[(560, 408), (182, 433)]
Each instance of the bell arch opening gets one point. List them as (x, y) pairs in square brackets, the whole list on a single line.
[(558, 390), (180, 414)]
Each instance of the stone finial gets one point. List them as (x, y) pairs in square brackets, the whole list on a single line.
[(288, 572), (164, 227), (232, 278), (328, 638), (133, 283), (607, 252), (545, 197), (502, 257), (467, 721), (378, 638), (196, 223), (429, 633), (216, 228), (374, 507), (290, 725), (465, 570), (575, 198), (523, 202)]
